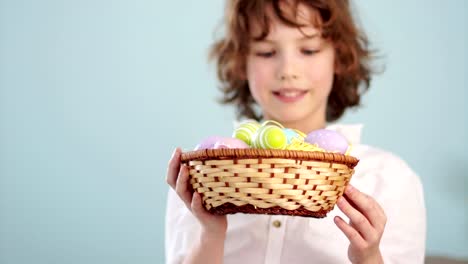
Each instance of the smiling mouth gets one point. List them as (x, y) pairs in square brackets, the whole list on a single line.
[(290, 96)]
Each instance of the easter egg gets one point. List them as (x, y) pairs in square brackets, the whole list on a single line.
[(207, 143), (270, 137), (230, 143), (272, 123), (328, 140), (291, 134), (246, 131)]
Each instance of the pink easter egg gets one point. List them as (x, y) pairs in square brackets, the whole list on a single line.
[(328, 140), (230, 143), (208, 143)]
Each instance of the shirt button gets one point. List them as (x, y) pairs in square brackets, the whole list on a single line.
[(277, 223)]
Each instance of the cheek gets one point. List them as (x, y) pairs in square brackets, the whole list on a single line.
[(322, 73), (258, 75)]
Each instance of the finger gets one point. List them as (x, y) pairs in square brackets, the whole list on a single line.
[(357, 219), (197, 207), (182, 185), (173, 168), (352, 234), (366, 205)]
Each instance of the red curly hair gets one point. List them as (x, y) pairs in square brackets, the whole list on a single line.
[(337, 25)]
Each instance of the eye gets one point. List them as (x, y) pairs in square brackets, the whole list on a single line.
[(265, 54), (309, 51)]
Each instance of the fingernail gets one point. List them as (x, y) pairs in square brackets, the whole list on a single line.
[(197, 195), (174, 152), (340, 201), (349, 189)]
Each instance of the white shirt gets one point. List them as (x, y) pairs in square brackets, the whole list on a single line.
[(256, 239)]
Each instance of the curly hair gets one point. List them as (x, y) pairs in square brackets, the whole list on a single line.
[(352, 69)]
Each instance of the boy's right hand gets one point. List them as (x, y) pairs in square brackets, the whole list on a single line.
[(178, 178)]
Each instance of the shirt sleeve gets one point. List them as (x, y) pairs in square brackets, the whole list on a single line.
[(401, 196), (181, 229)]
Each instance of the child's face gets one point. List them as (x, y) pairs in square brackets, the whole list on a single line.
[(290, 74)]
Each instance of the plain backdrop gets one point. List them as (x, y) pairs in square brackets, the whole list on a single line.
[(95, 95)]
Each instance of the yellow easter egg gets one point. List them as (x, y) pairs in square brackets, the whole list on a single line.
[(271, 137), (272, 123)]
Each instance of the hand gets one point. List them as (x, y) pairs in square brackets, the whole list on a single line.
[(178, 178), (366, 226)]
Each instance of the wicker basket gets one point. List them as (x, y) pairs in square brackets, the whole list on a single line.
[(260, 181)]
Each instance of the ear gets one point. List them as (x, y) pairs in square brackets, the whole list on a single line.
[(243, 76), (338, 67), (242, 72)]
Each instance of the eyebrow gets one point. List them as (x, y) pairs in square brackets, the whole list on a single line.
[(305, 37)]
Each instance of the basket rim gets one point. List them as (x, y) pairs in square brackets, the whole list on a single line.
[(237, 153)]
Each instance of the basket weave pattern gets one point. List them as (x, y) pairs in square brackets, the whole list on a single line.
[(269, 181)]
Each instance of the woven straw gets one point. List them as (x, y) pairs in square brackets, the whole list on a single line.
[(269, 181)]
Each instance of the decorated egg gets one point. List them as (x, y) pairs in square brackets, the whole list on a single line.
[(328, 140), (246, 131), (292, 133), (230, 143), (208, 143), (270, 137), (272, 123)]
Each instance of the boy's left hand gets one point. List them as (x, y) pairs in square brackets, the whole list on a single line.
[(366, 226)]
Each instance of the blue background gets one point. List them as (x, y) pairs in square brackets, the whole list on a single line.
[(95, 95)]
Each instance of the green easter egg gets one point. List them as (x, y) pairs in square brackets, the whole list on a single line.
[(272, 123), (256, 141), (246, 132), (271, 137)]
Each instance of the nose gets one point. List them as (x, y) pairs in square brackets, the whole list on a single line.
[(287, 68)]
